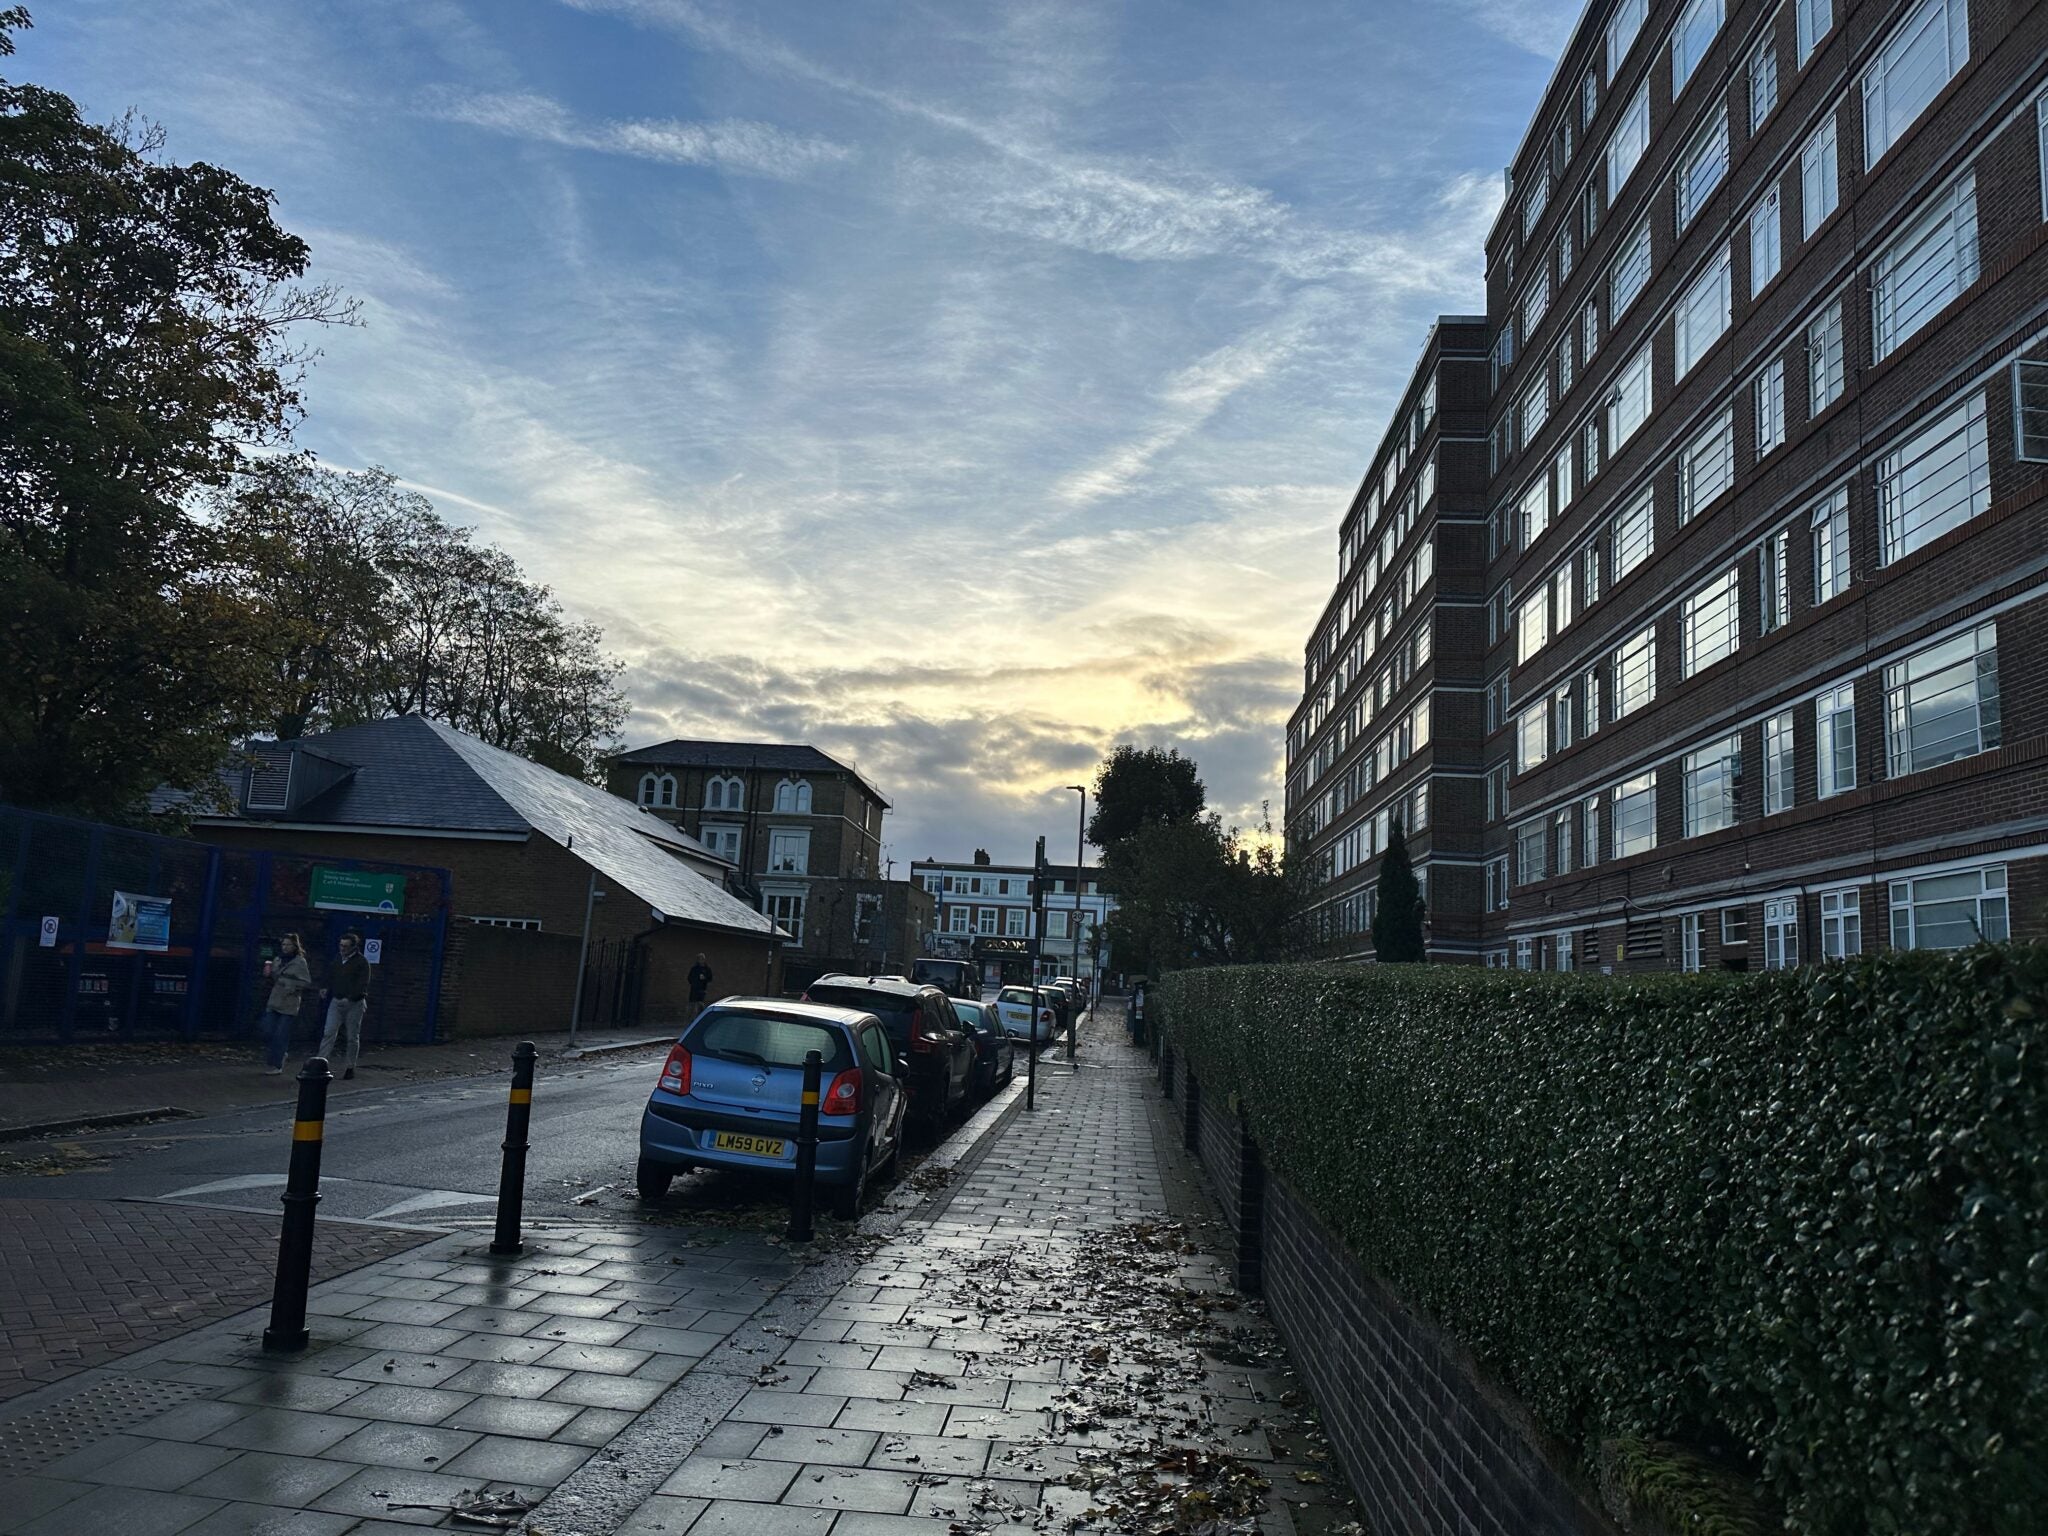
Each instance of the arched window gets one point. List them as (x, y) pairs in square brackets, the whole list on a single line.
[(785, 796), (647, 783), (727, 794), (803, 795), (667, 789), (714, 795)]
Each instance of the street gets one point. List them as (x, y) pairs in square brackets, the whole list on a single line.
[(426, 1153)]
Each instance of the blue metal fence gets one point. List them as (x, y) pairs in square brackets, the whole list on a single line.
[(63, 979)]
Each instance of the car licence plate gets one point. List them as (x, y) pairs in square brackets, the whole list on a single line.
[(740, 1141)]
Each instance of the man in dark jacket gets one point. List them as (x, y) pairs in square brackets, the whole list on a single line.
[(348, 999), (700, 986)]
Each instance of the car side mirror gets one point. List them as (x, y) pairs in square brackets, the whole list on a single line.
[(902, 1066)]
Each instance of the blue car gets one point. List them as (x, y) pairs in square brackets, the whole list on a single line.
[(731, 1092)]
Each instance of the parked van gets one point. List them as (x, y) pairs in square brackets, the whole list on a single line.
[(955, 978)]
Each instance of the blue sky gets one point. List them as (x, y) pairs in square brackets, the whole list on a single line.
[(961, 387)]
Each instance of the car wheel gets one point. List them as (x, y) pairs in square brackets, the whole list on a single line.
[(653, 1179), (847, 1198)]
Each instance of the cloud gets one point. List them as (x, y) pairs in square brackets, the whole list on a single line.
[(1540, 27), (750, 148)]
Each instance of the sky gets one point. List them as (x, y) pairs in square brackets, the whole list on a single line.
[(963, 388)]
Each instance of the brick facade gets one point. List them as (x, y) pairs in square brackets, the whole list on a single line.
[(512, 981), (1426, 1441), (1564, 445)]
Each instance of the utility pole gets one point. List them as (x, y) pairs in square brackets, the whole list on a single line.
[(1080, 844), (1037, 930)]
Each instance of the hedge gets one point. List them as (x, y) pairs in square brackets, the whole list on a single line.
[(1797, 1219)]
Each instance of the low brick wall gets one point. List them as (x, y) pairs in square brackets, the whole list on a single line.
[(1427, 1444)]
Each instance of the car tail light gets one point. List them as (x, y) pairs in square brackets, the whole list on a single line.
[(675, 1072), (920, 1040), (843, 1097), (1045, 1016)]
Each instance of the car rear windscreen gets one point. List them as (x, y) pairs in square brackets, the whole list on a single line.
[(768, 1040), (970, 1013), (892, 1008)]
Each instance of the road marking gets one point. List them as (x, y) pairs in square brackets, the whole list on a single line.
[(221, 1186), (432, 1200)]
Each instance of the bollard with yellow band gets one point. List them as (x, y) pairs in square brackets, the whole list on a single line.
[(806, 1150), (512, 1176), (287, 1333)]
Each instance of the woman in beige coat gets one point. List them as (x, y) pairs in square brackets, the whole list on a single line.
[(290, 980)]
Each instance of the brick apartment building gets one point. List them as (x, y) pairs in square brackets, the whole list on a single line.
[(1767, 476), (805, 833)]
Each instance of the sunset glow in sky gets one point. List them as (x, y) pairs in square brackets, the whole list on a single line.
[(961, 387)]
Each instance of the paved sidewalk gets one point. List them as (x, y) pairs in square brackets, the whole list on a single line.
[(1046, 1344), (50, 1085), (1048, 1352)]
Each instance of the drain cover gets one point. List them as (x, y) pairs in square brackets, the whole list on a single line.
[(34, 1440)]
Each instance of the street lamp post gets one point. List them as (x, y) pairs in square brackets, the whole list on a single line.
[(1080, 842)]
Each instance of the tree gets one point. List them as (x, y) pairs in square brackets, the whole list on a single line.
[(1143, 786), (1397, 909), (371, 605), (1195, 893), (147, 316)]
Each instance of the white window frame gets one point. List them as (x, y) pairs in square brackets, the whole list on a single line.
[(1991, 920), (1633, 802), (1925, 267), (1703, 314), (1689, 943), (1711, 623), (1834, 741), (1826, 360), (1629, 275), (1768, 395), (1634, 536), (1623, 27), (1015, 923), (1820, 178), (1766, 241), (1774, 580), (1531, 846), (1953, 451), (1631, 401), (1706, 466), (2030, 401), (1781, 933), (1712, 785), (1702, 168), (1899, 85), (1691, 39), (789, 850), (1532, 743), (1841, 923), (1781, 791), (1828, 528), (1813, 20), (1635, 672), (1763, 82), (1630, 140), (786, 910), (1951, 688)]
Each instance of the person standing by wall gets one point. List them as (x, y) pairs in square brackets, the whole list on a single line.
[(700, 986), (348, 1000), (290, 980)]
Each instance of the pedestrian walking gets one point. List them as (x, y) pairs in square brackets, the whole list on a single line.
[(290, 980), (348, 1000), (700, 986)]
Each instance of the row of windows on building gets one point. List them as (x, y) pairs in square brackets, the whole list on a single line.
[(1408, 735), (1939, 704), (997, 885), (1936, 479), (1355, 658), (1015, 922), (1355, 539), (1925, 49), (792, 796), (1349, 915), (1952, 909)]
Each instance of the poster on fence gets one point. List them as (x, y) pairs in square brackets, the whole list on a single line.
[(140, 922)]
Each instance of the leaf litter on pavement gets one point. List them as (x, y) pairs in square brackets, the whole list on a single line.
[(1171, 1407)]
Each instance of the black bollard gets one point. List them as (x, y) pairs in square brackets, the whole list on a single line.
[(512, 1174), (287, 1331), (806, 1151)]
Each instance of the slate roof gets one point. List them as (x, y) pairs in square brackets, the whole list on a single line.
[(783, 757), (414, 772)]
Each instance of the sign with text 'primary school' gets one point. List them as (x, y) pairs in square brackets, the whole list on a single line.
[(357, 890)]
